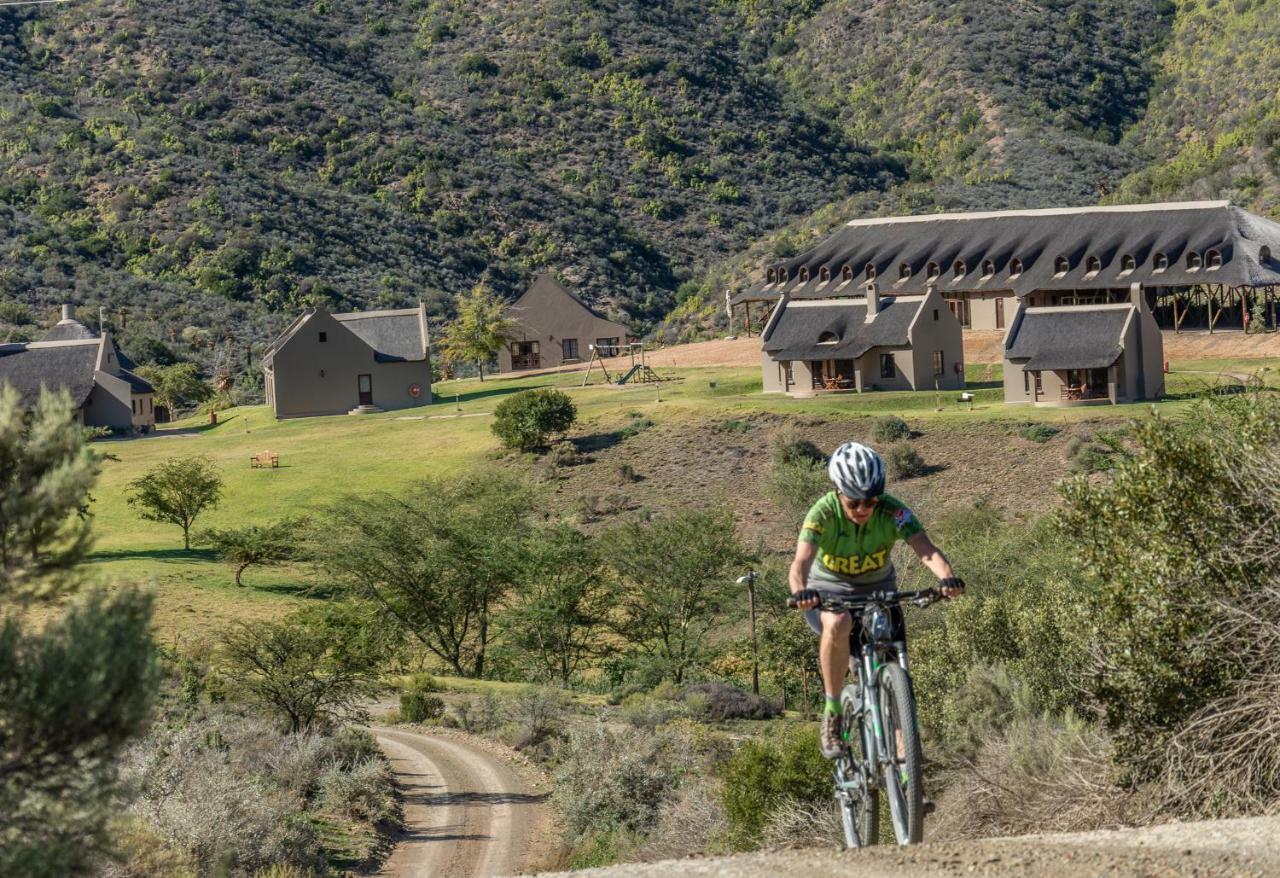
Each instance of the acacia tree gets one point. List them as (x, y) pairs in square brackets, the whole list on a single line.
[(256, 544), (437, 560), (676, 576), (176, 491), (561, 604), (175, 384), (479, 331), (75, 689)]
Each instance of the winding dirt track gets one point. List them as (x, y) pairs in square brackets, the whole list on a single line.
[(467, 813)]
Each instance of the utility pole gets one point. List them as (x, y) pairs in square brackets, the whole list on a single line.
[(749, 579)]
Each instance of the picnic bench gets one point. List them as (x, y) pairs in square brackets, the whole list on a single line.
[(264, 459)]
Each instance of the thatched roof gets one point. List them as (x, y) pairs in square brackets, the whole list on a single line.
[(797, 331), (1070, 338)]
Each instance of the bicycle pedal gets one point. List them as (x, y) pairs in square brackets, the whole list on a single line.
[(929, 807)]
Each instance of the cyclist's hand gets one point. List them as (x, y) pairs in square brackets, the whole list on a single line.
[(952, 587), (806, 598)]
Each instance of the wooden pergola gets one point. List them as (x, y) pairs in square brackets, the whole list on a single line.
[(1216, 306)]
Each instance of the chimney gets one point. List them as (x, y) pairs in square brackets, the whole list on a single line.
[(68, 313), (873, 301), (1136, 297)]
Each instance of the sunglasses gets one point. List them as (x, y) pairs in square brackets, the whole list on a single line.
[(862, 504)]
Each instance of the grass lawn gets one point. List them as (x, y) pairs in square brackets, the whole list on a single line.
[(323, 459)]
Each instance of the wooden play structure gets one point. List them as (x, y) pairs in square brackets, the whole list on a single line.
[(638, 373)]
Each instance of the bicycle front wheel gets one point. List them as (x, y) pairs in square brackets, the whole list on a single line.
[(904, 767), (860, 804)]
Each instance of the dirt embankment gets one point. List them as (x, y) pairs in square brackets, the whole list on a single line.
[(1247, 848)]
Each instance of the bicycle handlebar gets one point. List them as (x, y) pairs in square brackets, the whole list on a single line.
[(922, 598)]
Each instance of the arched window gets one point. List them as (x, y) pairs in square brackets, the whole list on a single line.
[(824, 274), (846, 273), (988, 268), (870, 271), (1160, 262), (1128, 263), (772, 275), (1194, 262), (1264, 254), (933, 271), (904, 271), (828, 338), (783, 276), (1061, 265), (1093, 264), (804, 274), (958, 268), (1213, 260), (1015, 267)]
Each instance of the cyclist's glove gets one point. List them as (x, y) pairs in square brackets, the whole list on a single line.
[(806, 594), (952, 582)]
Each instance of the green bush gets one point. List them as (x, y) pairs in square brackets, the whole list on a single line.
[(789, 446), (905, 462), (796, 486), (526, 420), (1040, 432), (890, 428), (418, 707), (765, 772)]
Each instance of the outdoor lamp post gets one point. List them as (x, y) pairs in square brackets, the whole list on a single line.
[(749, 580)]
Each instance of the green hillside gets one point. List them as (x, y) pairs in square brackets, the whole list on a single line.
[(213, 167)]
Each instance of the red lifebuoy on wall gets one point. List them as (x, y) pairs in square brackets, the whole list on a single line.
[(415, 390)]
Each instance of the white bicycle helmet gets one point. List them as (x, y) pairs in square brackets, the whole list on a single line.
[(857, 471)]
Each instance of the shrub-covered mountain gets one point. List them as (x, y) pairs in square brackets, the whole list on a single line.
[(213, 167)]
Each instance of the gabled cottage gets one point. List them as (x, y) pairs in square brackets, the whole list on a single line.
[(355, 363), (89, 367), (555, 327), (868, 343)]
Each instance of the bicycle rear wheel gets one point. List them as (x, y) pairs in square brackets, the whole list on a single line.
[(860, 806), (904, 768)]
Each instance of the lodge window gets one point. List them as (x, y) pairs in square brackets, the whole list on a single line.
[(324, 337), (1264, 254), (828, 338), (1026, 383), (958, 269), (783, 275), (1061, 265), (1194, 262), (904, 271), (1160, 262), (607, 347), (772, 275), (824, 274), (1015, 267), (1093, 265), (1128, 263), (133, 404), (870, 271), (846, 272), (804, 274), (935, 313), (1213, 260), (933, 271), (988, 268), (887, 367), (569, 348), (937, 363)]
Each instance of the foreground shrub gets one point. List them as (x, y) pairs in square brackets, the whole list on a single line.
[(905, 462), (525, 421), (890, 428), (361, 792), (720, 701), (417, 703), (1039, 432), (788, 445), (765, 773)]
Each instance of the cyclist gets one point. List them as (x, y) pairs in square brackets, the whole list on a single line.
[(844, 549)]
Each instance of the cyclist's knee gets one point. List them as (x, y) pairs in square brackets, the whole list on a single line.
[(840, 624)]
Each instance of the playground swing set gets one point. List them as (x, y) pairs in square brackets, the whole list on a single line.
[(638, 373)]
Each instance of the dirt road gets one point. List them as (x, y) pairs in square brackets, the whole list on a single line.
[(1248, 848), (467, 812)]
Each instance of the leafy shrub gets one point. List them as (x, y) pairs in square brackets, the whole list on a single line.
[(480, 715), (766, 772), (362, 792), (526, 420), (419, 707), (789, 446), (905, 462), (795, 486), (636, 426), (890, 428), (1091, 459), (1040, 432), (539, 715), (723, 702)]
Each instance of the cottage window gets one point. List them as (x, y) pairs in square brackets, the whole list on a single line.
[(846, 272), (958, 269), (1093, 265), (935, 313), (988, 268), (828, 338), (569, 348), (870, 271), (607, 347), (904, 271), (771, 275), (824, 274), (783, 275), (324, 337), (933, 271), (937, 363), (133, 404), (887, 368), (1213, 260), (1160, 262), (1015, 267), (1061, 265), (1128, 263), (1194, 262), (804, 274)]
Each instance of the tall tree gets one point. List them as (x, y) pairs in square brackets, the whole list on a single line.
[(176, 491), (562, 601), (176, 384), (479, 331), (75, 689), (255, 544), (676, 574), (437, 560)]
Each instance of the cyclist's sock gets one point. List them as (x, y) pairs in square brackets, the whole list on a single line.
[(832, 706)]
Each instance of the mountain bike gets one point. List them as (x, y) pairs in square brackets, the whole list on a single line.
[(881, 734)]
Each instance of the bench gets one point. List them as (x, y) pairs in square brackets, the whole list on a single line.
[(264, 459)]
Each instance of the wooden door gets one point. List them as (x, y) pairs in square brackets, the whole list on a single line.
[(365, 385)]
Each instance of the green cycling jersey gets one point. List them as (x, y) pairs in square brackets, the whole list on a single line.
[(856, 554)]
